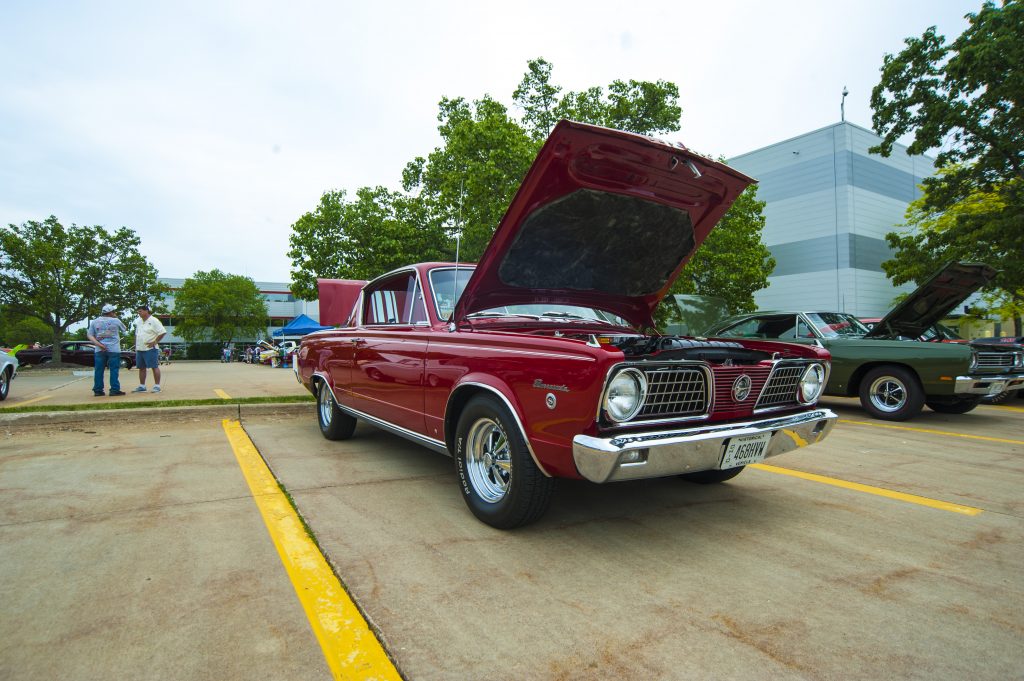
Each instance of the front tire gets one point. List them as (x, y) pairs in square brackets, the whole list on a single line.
[(891, 393), (961, 406), (334, 423), (126, 363), (499, 480), (712, 477), (5, 383)]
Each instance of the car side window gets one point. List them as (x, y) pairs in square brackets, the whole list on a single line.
[(396, 300), (745, 329), (803, 329)]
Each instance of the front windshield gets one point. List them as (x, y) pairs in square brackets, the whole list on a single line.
[(447, 289), (447, 286), (837, 325), (552, 311)]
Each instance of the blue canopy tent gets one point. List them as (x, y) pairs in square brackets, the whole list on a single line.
[(299, 326)]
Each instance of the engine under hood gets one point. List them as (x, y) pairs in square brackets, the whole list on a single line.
[(603, 219), (933, 300)]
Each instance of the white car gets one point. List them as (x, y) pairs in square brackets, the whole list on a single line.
[(8, 370)]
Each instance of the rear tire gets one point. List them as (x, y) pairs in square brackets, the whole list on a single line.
[(5, 383), (960, 406), (891, 393), (126, 363), (499, 480), (712, 477), (334, 423)]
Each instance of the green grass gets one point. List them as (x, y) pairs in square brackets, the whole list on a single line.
[(163, 404)]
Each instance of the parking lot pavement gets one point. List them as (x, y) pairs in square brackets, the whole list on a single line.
[(135, 551), (181, 380), (767, 576)]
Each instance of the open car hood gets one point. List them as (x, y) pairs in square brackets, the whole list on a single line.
[(933, 300), (604, 219)]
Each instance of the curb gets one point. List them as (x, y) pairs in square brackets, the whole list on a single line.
[(217, 411)]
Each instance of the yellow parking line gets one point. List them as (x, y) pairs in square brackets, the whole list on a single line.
[(1003, 406), (221, 394), (933, 432), (879, 491), (34, 399), (350, 647)]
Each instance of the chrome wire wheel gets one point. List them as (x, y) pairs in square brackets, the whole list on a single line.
[(488, 460), (326, 403), (888, 394)]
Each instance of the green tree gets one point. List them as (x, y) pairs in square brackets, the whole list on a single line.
[(377, 232), (469, 182), (732, 263), (64, 275), (16, 329), (215, 306), (961, 98), (980, 228), (642, 107)]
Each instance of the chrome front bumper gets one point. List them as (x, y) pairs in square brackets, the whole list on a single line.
[(689, 450), (988, 385)]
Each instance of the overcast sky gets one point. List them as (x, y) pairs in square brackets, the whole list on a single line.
[(210, 127)]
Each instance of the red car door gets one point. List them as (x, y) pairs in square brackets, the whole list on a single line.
[(389, 353)]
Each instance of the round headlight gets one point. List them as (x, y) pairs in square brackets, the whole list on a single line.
[(812, 383), (625, 395)]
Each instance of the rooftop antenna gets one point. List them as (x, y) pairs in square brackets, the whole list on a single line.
[(842, 105), (458, 241)]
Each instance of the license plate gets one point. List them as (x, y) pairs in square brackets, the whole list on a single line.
[(996, 387), (744, 450)]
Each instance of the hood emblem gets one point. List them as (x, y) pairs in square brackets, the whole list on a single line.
[(741, 388)]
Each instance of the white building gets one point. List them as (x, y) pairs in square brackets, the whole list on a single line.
[(829, 205)]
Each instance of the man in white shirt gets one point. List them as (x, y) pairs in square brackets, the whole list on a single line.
[(148, 332)]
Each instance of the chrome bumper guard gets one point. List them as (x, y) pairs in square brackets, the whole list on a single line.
[(689, 450), (988, 385)]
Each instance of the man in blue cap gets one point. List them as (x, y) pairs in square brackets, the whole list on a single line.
[(105, 333)]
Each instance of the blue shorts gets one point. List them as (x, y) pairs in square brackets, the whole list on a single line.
[(147, 359)]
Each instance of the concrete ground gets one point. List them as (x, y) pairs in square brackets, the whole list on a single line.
[(181, 380), (136, 552), (766, 576)]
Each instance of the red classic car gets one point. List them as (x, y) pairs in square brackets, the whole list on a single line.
[(542, 361)]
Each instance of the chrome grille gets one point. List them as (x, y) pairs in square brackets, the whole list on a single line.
[(995, 360), (674, 392), (781, 388), (726, 376)]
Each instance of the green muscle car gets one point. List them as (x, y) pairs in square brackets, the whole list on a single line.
[(895, 378)]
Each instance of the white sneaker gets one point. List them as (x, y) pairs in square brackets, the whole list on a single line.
[(156, 389), (141, 389)]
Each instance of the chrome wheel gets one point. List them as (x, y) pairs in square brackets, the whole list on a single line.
[(488, 460), (5, 383), (326, 404), (888, 394)]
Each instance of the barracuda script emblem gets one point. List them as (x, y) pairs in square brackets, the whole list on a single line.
[(545, 386), (741, 388)]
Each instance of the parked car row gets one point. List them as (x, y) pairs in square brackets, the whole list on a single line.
[(72, 352)]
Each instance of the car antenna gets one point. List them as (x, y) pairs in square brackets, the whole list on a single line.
[(458, 240)]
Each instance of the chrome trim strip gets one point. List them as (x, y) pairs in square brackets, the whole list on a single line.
[(515, 415), (532, 353), (965, 384), (431, 443)]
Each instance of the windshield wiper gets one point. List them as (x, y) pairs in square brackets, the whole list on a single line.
[(485, 315), (570, 315)]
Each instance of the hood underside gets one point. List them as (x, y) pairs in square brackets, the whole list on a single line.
[(603, 219), (933, 300)]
